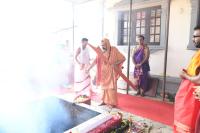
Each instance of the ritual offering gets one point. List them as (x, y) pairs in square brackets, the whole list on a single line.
[(83, 99), (109, 125)]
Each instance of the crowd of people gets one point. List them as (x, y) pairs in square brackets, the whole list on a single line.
[(109, 58), (109, 61)]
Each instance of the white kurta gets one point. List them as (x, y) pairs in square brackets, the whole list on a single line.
[(82, 84)]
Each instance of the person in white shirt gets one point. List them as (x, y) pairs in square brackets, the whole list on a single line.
[(82, 84)]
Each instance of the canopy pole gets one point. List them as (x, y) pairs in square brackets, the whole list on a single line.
[(103, 3), (73, 27), (166, 52), (129, 42)]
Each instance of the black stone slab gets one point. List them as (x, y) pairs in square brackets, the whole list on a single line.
[(50, 115)]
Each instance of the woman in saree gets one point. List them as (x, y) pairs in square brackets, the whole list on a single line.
[(141, 61)]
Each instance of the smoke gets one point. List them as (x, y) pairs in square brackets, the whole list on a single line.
[(33, 63), (30, 61), (44, 116)]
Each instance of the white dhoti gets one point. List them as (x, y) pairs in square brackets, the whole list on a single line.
[(82, 84)]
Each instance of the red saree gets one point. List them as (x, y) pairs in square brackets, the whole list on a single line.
[(186, 106)]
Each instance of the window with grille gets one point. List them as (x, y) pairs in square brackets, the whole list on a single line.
[(155, 26), (146, 22), (123, 28)]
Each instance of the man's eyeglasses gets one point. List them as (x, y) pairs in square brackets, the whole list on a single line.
[(195, 36)]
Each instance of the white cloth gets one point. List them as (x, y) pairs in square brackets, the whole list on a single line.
[(82, 79), (84, 56)]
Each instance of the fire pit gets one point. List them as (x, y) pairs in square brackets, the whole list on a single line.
[(83, 99), (55, 115)]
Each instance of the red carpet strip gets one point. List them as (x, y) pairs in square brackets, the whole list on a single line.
[(151, 109), (155, 110)]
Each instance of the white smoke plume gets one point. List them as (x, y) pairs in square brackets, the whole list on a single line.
[(29, 60)]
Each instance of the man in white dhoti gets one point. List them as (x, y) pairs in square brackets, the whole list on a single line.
[(82, 84)]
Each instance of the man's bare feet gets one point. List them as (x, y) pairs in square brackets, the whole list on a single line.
[(102, 103), (138, 92), (142, 93), (111, 106)]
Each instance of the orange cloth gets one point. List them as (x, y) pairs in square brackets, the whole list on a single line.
[(197, 128), (106, 74), (186, 106), (101, 57), (109, 96)]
